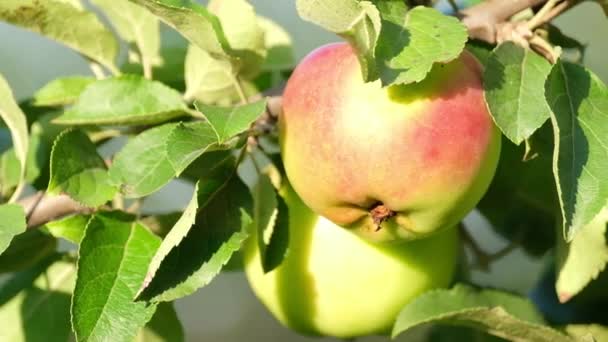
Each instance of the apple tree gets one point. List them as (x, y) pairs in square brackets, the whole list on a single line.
[(338, 183)]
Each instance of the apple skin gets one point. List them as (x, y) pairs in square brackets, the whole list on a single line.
[(334, 283), (426, 151)]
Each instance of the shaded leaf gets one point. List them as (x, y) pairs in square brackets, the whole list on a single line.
[(579, 104), (27, 249), (78, 170), (410, 43), (481, 50), (62, 91), (14, 118), (278, 244), (498, 313), (163, 327), (514, 80), (161, 224), (49, 19), (142, 166), (521, 202), (202, 241), (187, 142), (39, 307), (356, 21), (271, 222), (124, 100), (113, 258), (227, 122), (581, 261), (11, 224)]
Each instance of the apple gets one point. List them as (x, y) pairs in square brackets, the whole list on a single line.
[(335, 283), (390, 163)]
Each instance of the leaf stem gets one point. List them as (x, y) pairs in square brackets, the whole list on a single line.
[(105, 134), (97, 70), (239, 89)]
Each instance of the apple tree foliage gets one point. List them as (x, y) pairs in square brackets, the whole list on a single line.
[(200, 114)]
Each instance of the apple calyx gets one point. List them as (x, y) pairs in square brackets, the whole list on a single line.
[(380, 213)]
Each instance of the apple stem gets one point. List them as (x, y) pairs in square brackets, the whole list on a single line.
[(380, 213)]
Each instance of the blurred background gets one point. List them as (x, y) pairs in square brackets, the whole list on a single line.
[(226, 310)]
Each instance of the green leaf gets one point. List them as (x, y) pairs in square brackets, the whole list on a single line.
[(124, 100), (38, 153), (136, 25), (279, 47), (583, 332), (208, 79), (49, 19), (42, 136), (498, 313), (78, 170), (481, 50), (521, 203), (142, 166), (113, 258), (581, 261), (265, 212), (70, 228), (604, 5), (187, 142), (14, 118), (202, 241), (37, 303), (356, 21), (27, 249), (271, 221), (228, 122), (514, 80), (410, 43), (11, 224), (194, 22), (240, 24), (62, 91), (163, 327), (10, 172), (579, 104), (204, 166)]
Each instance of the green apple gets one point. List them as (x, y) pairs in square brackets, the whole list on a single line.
[(390, 163), (334, 283)]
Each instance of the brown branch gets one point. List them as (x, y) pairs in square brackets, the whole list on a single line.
[(44, 209), (483, 20)]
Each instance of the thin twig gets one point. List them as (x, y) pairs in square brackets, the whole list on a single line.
[(557, 11), (239, 89), (538, 17), (483, 258), (97, 70), (454, 6)]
